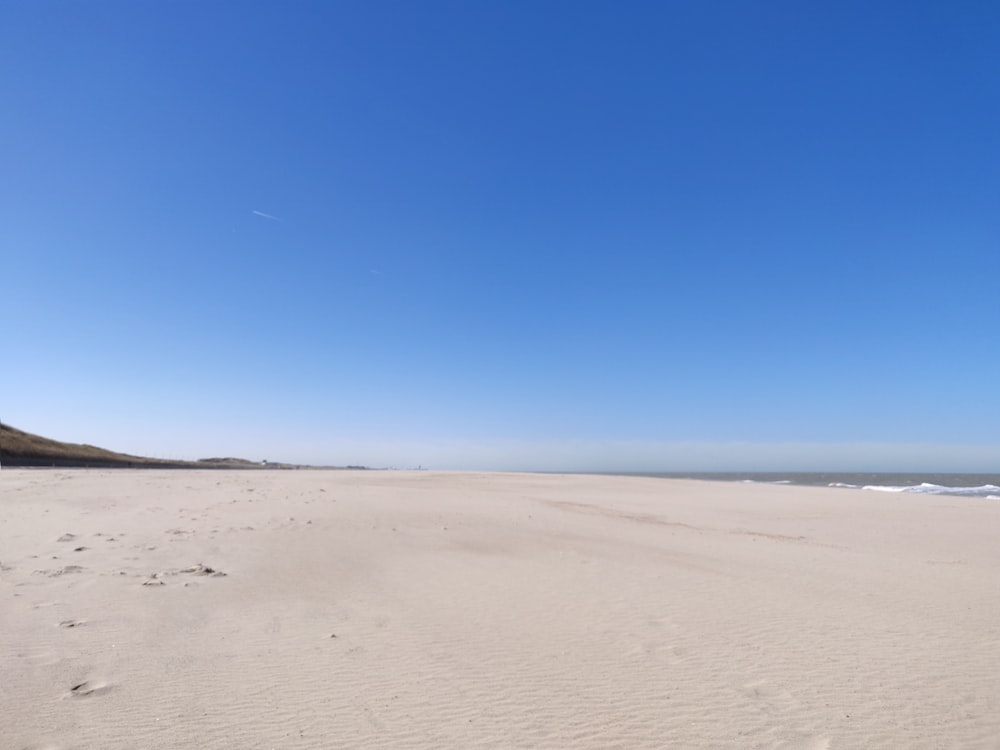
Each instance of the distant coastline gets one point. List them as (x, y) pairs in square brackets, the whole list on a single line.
[(26, 450)]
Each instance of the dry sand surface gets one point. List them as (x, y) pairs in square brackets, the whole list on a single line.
[(313, 609)]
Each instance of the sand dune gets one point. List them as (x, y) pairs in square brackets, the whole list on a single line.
[(19, 448), (183, 609)]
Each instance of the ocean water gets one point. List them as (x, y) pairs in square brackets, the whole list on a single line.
[(965, 485)]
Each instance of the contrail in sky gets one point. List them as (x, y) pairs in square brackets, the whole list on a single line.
[(267, 216)]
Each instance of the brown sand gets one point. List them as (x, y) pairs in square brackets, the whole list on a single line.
[(182, 609)]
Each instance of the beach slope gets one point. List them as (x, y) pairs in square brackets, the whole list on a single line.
[(315, 609)]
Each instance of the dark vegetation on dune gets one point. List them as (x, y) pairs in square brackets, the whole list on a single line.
[(19, 448)]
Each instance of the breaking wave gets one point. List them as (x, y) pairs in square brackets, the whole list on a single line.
[(988, 491)]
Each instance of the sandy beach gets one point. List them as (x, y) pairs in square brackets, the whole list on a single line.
[(343, 609)]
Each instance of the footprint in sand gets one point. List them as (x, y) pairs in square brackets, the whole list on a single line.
[(90, 687), (67, 537), (71, 623), (203, 570), (61, 571), (762, 691)]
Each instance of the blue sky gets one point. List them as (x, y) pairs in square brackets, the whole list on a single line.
[(556, 235)]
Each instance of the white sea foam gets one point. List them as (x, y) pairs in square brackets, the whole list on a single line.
[(845, 485), (925, 488)]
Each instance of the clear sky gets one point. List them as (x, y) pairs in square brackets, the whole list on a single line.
[(672, 235)]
